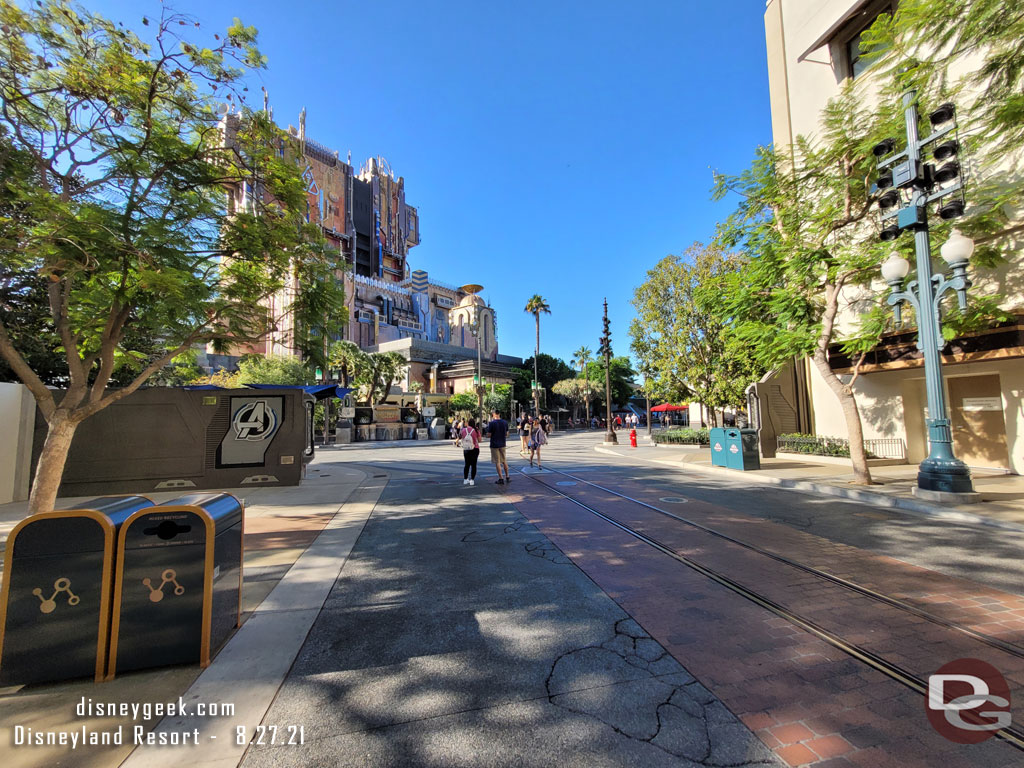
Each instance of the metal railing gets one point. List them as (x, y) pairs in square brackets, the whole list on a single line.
[(884, 448)]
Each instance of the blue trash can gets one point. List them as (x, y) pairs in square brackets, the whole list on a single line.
[(718, 447)]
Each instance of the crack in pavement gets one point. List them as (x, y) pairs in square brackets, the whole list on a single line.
[(655, 700)]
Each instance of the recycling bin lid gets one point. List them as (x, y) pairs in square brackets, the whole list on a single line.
[(223, 508), (76, 529)]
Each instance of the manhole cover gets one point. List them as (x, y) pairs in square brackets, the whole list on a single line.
[(674, 499), (566, 482)]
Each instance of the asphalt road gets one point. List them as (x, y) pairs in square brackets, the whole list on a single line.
[(986, 555), (458, 635)]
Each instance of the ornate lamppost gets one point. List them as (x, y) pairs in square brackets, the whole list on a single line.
[(905, 191), (606, 350)]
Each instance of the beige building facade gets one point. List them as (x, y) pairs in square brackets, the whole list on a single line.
[(813, 48)]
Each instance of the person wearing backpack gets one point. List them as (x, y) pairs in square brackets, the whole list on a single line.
[(470, 439), (538, 437)]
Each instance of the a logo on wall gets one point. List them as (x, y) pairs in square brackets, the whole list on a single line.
[(250, 432), (254, 421)]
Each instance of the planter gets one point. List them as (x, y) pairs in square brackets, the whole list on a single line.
[(810, 458)]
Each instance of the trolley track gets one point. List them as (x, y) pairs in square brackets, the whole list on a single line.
[(1012, 735)]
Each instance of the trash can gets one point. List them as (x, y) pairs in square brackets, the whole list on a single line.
[(58, 581), (741, 450), (718, 452), (178, 583)]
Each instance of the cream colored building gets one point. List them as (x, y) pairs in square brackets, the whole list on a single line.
[(812, 47)]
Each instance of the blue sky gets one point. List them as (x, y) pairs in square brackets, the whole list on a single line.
[(557, 147)]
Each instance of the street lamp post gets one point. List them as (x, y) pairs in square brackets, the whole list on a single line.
[(908, 188), (606, 350)]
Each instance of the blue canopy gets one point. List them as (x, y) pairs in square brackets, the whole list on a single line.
[(319, 391)]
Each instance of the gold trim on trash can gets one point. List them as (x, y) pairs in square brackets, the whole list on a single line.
[(105, 592), (208, 560)]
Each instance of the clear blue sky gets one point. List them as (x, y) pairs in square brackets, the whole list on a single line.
[(557, 147)]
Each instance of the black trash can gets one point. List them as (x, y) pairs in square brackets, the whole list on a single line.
[(58, 581), (178, 583)]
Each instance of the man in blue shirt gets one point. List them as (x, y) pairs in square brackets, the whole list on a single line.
[(498, 430)]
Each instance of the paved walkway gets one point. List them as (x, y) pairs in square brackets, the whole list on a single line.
[(458, 635), (1002, 495)]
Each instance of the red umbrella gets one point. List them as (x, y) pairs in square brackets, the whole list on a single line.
[(669, 407)]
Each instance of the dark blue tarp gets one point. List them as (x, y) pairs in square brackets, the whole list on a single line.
[(319, 391)]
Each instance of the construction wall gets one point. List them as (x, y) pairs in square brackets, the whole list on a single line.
[(17, 414)]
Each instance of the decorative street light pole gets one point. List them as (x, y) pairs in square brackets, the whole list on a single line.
[(606, 350), (474, 327), (906, 191)]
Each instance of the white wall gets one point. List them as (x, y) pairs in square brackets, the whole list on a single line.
[(17, 414)]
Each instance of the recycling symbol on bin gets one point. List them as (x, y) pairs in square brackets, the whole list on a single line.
[(167, 577), (733, 449), (49, 604), (718, 446)]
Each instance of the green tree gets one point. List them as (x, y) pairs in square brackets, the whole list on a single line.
[(573, 391), (464, 404), (535, 306), (803, 219), (350, 360), (499, 400), (549, 369), (125, 215), (683, 332), (383, 370), (273, 369), (620, 375), (582, 358)]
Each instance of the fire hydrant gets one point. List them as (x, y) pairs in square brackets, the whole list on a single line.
[(632, 437)]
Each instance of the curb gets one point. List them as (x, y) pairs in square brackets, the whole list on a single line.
[(873, 498)]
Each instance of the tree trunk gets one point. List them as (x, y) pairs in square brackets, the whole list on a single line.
[(848, 403), (50, 469)]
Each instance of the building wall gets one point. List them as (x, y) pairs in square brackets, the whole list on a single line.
[(890, 401), (17, 414)]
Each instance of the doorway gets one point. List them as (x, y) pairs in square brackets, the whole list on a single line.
[(976, 416)]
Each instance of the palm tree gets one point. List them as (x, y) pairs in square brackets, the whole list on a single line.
[(582, 358), (535, 306)]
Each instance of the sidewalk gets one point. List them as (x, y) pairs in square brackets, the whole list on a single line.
[(1002, 503), (286, 532)]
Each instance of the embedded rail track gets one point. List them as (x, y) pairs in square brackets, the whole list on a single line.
[(1012, 735)]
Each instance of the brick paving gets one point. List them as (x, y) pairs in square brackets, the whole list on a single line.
[(809, 702)]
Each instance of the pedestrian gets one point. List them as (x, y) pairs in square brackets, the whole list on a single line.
[(524, 434), (538, 437), (498, 430), (618, 422), (632, 437), (470, 439), (547, 425)]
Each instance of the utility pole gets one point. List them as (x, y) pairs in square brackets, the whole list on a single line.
[(606, 350)]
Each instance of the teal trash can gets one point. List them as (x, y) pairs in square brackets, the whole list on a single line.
[(741, 450), (718, 447)]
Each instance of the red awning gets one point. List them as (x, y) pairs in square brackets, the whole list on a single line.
[(669, 407)]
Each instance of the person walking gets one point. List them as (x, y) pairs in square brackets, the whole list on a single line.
[(498, 430), (470, 440), (524, 434), (538, 437)]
